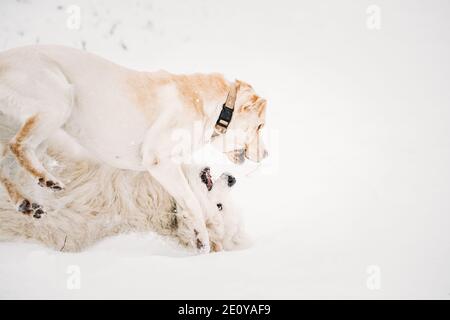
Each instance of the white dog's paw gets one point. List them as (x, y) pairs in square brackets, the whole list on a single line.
[(216, 246)]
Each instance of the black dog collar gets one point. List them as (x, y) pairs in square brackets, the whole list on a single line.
[(226, 114), (224, 119)]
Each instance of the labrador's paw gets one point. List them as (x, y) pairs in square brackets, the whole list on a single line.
[(51, 183), (30, 208), (192, 233)]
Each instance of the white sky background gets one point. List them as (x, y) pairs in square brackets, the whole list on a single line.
[(361, 172)]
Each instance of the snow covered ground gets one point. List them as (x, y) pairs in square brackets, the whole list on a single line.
[(355, 200)]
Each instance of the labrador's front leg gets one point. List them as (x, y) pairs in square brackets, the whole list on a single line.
[(172, 178)]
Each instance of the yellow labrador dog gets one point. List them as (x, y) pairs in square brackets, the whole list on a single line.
[(123, 118)]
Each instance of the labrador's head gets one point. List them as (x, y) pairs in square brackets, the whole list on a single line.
[(242, 140)]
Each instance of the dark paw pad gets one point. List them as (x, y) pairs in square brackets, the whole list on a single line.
[(199, 244), (25, 206), (49, 184), (31, 208)]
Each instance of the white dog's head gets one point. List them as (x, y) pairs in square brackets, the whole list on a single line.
[(242, 139), (223, 218)]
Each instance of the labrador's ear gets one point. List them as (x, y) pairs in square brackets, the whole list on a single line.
[(255, 103), (242, 88), (242, 85), (262, 107), (205, 176)]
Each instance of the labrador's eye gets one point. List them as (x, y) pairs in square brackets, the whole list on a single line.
[(219, 206), (260, 127)]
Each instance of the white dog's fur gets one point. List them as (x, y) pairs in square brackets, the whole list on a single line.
[(124, 118), (101, 201)]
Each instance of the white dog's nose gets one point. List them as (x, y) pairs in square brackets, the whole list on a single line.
[(229, 179)]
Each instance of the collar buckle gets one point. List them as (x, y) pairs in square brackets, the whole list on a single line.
[(226, 113), (224, 119)]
